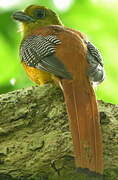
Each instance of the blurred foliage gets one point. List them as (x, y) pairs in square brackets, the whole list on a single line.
[(95, 18)]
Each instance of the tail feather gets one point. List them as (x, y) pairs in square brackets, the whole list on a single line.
[(84, 125)]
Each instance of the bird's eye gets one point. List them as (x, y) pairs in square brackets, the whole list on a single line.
[(39, 14)]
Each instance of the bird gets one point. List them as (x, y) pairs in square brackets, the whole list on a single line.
[(51, 52)]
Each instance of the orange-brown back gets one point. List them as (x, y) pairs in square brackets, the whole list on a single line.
[(80, 98)]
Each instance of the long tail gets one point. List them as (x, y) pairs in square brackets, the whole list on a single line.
[(84, 125)]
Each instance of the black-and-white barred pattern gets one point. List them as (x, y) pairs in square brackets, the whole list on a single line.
[(95, 52), (96, 71), (34, 48)]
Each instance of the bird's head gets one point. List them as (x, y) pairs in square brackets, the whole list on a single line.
[(35, 16)]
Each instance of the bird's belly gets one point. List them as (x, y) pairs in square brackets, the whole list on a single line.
[(36, 75)]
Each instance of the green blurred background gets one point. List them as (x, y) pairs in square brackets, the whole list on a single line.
[(98, 19)]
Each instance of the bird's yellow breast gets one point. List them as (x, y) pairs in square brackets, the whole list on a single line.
[(38, 76)]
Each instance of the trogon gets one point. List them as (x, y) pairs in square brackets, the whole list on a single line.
[(51, 52)]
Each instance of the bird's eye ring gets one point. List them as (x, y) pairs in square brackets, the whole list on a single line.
[(39, 14)]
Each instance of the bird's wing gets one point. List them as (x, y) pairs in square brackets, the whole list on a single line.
[(38, 52), (96, 71)]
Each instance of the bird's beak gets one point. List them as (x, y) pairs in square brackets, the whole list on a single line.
[(21, 16)]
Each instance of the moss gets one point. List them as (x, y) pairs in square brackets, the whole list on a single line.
[(35, 141)]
